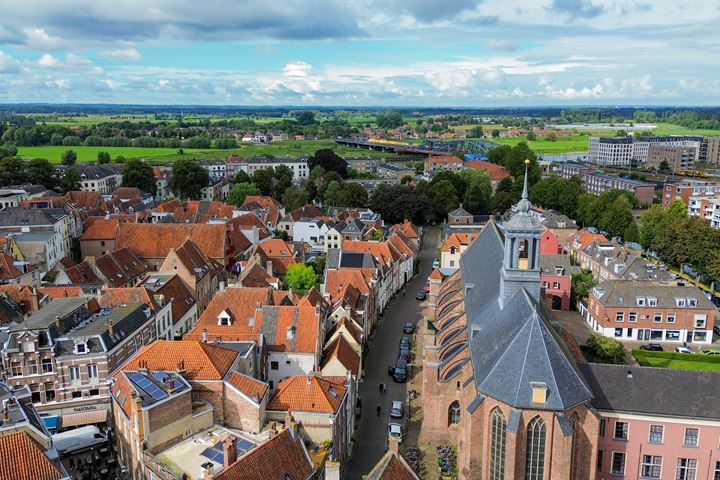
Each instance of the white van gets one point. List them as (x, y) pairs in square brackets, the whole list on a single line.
[(79, 439)]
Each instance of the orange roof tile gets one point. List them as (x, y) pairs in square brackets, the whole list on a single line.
[(8, 271), (112, 297), (314, 298), (154, 240), (443, 159), (351, 328), (120, 267), (307, 393), (61, 291), (277, 248), (22, 457), (282, 457), (585, 238), (279, 319), (337, 280), (256, 276), (83, 273), (343, 351), (201, 361), (496, 172), (436, 275), (459, 239), (380, 250), (250, 386), (392, 467), (99, 228)]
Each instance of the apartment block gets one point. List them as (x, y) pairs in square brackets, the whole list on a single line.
[(597, 183), (569, 170), (684, 190), (610, 151), (707, 208), (676, 158), (650, 310)]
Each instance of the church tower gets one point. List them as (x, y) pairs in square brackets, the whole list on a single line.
[(521, 260)]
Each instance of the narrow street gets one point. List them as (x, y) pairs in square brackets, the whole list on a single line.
[(371, 430)]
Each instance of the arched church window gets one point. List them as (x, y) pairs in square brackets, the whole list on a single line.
[(535, 450), (497, 445), (454, 413)]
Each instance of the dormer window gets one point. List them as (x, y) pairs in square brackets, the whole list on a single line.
[(452, 250), (640, 301), (28, 346), (559, 270), (652, 301), (539, 392), (80, 347), (692, 302), (225, 318), (679, 302)]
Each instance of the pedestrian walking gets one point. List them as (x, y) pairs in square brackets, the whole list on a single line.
[(384, 388), (378, 410), (380, 387)]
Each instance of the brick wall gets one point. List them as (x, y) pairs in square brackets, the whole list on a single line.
[(242, 413)]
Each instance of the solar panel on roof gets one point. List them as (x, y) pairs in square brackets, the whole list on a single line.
[(245, 444), (214, 454)]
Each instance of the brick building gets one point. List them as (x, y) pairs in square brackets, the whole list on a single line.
[(676, 158), (556, 280), (685, 190), (449, 163), (651, 310)]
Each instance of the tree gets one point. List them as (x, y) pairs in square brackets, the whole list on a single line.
[(103, 157), (558, 194), (120, 159), (294, 197), (656, 221), (12, 171), (333, 194), (241, 177), (239, 191), (41, 172), (331, 162), (551, 137), (188, 179), (225, 143), (69, 158), (531, 136), (617, 217), (70, 180), (316, 173), (478, 192), (581, 284), (664, 167), (476, 132), (136, 173), (406, 180), (502, 201), (264, 180), (392, 119), (495, 133), (282, 177), (300, 278), (444, 199), (353, 195), (602, 349), (305, 117)]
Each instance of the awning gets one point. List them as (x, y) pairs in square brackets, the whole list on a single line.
[(84, 418), (51, 422)]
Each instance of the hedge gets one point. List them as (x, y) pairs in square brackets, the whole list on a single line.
[(698, 357)]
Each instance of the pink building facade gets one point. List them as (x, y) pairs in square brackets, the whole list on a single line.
[(549, 244), (656, 423)]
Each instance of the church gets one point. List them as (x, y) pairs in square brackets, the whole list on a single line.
[(499, 379)]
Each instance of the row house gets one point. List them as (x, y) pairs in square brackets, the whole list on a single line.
[(308, 212), (434, 164), (66, 352), (651, 310), (158, 305), (609, 261), (121, 268), (216, 189), (269, 210), (184, 310), (352, 287), (387, 257), (233, 164), (57, 227), (276, 256), (18, 272), (215, 168), (597, 183), (102, 178), (289, 337), (191, 211), (581, 239), (172, 393), (556, 279), (298, 166), (162, 183), (98, 237), (684, 190), (453, 248)]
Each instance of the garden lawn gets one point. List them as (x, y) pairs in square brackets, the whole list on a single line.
[(571, 143), (687, 364)]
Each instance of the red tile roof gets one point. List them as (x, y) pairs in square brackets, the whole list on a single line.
[(443, 159), (120, 267), (350, 327), (496, 172), (459, 239), (282, 457), (195, 261), (392, 467), (180, 294), (277, 248), (21, 457), (112, 297), (436, 275), (380, 250), (201, 361), (280, 318), (250, 386), (61, 291), (343, 351), (307, 393), (83, 273), (99, 228), (154, 240), (337, 280), (585, 238), (256, 276), (8, 271)]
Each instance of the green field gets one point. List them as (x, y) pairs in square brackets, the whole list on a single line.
[(572, 143), (164, 155), (680, 361)]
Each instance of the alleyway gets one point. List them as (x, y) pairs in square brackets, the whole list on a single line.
[(371, 431)]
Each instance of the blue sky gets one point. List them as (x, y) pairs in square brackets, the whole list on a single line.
[(465, 53)]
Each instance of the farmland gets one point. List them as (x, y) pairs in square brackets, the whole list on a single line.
[(165, 155)]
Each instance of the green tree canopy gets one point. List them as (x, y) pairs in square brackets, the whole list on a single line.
[(333, 195), (188, 179), (353, 195), (12, 171), (300, 278), (282, 176), (70, 180), (241, 177), (238, 192), (294, 197), (264, 180), (558, 194), (40, 171), (139, 174), (330, 161), (69, 158), (602, 349), (103, 157)]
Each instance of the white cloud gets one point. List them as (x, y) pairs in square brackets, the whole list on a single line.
[(8, 64), (502, 45), (48, 61), (39, 39), (129, 53)]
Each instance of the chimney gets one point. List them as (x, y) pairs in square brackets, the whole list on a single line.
[(269, 267), (58, 323), (393, 444), (205, 335), (229, 451), (273, 430), (332, 471), (290, 424), (110, 327), (207, 470)]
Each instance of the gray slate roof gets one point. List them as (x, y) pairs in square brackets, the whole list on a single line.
[(513, 345), (27, 217), (624, 293), (684, 393), (553, 219), (459, 212), (549, 262)]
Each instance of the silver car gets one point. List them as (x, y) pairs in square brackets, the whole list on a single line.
[(396, 409)]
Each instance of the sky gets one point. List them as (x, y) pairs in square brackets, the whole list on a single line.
[(405, 53)]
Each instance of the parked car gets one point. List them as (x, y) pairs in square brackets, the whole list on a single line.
[(421, 295), (395, 430), (396, 409), (653, 347), (683, 350), (400, 371), (405, 341), (405, 352), (426, 288), (711, 352), (436, 263), (409, 327), (716, 329)]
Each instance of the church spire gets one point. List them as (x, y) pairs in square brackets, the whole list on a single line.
[(524, 205)]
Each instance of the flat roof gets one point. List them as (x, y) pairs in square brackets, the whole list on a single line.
[(59, 307), (98, 323), (187, 456)]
